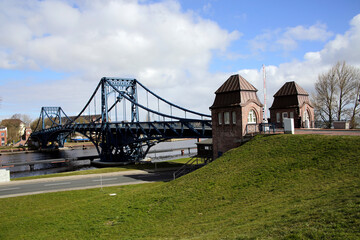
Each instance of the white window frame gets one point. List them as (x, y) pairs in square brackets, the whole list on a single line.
[(278, 117), (233, 117), (306, 115), (251, 117), (220, 118), (226, 118)]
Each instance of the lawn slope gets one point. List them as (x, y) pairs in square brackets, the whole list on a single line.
[(273, 187)]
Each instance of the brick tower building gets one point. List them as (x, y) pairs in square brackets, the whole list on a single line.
[(236, 111), (292, 101)]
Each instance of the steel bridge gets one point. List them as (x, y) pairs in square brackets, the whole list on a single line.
[(111, 121)]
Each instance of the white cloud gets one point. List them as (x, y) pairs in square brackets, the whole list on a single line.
[(119, 35), (344, 47), (263, 42), (317, 32), (157, 43), (287, 39)]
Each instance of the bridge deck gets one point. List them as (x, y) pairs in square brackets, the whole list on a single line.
[(179, 129)]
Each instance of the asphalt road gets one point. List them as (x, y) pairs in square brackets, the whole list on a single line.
[(29, 187)]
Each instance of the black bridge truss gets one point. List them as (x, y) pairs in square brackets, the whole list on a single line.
[(110, 120)]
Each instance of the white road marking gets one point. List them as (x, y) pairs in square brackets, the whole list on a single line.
[(105, 179), (8, 189), (56, 184)]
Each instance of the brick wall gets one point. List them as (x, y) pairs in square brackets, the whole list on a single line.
[(294, 111), (3, 137), (228, 136), (298, 114)]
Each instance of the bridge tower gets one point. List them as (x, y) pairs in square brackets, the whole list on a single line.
[(110, 149), (52, 117), (236, 112)]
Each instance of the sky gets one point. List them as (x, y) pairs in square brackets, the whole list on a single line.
[(54, 53)]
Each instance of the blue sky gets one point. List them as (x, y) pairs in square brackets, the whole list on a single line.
[(55, 52), (252, 18)]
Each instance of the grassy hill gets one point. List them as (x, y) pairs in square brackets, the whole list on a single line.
[(273, 187)]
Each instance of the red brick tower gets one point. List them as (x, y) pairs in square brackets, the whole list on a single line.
[(236, 111), (292, 101)]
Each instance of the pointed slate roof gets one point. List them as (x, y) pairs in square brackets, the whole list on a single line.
[(289, 89), (236, 83), (235, 91), (290, 95)]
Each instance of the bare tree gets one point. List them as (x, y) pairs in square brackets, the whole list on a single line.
[(26, 119), (23, 117), (355, 110), (335, 92), (345, 79), (324, 100), (16, 116)]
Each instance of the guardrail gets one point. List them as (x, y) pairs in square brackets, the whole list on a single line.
[(193, 163), (57, 160), (254, 128), (267, 127)]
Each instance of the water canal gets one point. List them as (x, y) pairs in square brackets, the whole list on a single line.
[(161, 152)]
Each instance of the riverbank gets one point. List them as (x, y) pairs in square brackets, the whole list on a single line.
[(10, 150), (173, 164), (14, 150), (24, 164)]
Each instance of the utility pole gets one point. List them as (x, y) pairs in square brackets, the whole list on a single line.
[(264, 109)]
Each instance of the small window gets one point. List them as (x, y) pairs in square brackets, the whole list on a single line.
[(278, 117), (252, 117), (227, 118), (2, 134), (291, 114), (220, 118), (284, 115), (234, 117)]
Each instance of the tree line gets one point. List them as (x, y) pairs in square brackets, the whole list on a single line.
[(337, 95)]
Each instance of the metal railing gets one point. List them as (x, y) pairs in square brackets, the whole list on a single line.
[(267, 128), (193, 163), (262, 128)]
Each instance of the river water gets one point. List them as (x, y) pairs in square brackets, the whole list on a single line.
[(188, 147)]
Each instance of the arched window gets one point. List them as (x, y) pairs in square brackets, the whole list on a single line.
[(306, 115), (252, 116)]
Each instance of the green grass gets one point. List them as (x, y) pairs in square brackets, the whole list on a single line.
[(177, 163), (273, 187), (12, 147)]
